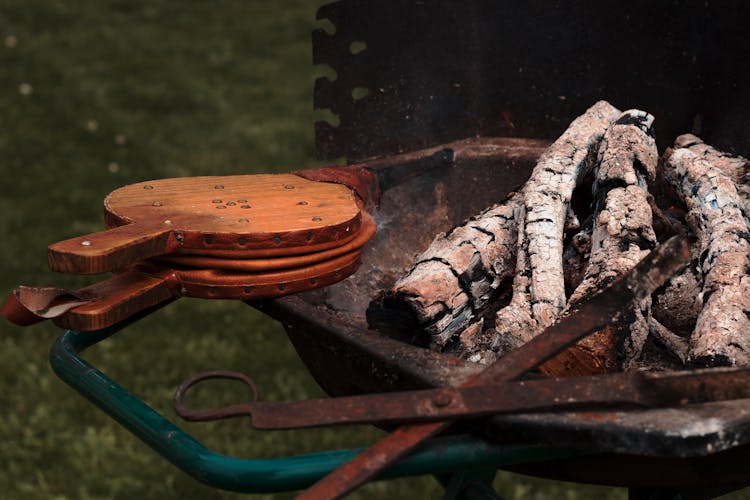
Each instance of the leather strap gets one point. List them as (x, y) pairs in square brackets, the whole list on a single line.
[(27, 305)]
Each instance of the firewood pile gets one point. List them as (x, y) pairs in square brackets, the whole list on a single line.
[(599, 199)]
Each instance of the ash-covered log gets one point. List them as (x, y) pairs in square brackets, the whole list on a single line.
[(452, 281), (736, 168), (679, 304), (622, 235), (539, 286), (446, 301), (457, 278), (716, 216)]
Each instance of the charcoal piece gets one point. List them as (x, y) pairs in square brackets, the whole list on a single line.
[(575, 259), (675, 344), (678, 305)]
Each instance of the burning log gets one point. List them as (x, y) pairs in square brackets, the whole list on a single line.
[(453, 281), (457, 277), (446, 300), (538, 286), (716, 217), (623, 234)]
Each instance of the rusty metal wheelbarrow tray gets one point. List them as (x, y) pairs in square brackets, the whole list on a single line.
[(697, 448)]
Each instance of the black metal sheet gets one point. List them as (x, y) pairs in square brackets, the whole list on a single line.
[(442, 70)]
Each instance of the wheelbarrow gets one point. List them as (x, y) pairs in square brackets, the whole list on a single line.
[(418, 103), (696, 449)]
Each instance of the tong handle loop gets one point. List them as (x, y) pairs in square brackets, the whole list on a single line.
[(206, 415)]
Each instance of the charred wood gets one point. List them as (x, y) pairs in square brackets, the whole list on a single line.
[(538, 286), (575, 258), (716, 216), (623, 234), (453, 281), (456, 278), (678, 304), (675, 344), (736, 168), (544, 249)]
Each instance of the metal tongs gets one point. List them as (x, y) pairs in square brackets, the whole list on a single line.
[(496, 390), (619, 391)]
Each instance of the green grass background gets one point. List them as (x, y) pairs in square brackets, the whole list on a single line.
[(97, 94)]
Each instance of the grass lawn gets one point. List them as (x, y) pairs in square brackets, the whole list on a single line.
[(97, 94)]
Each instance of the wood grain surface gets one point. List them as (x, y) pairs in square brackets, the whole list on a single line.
[(210, 215), (147, 284), (119, 297), (236, 204), (367, 231)]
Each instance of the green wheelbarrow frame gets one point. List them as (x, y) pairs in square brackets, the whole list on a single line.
[(441, 456)]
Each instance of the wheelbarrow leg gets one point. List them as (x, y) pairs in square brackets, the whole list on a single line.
[(469, 485)]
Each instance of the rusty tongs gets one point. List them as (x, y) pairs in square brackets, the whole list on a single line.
[(601, 392)]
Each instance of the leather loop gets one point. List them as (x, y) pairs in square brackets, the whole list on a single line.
[(27, 305), (357, 178)]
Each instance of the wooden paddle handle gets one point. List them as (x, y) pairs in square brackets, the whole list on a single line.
[(116, 299), (97, 306), (111, 249)]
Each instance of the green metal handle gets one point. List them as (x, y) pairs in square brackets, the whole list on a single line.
[(267, 475)]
